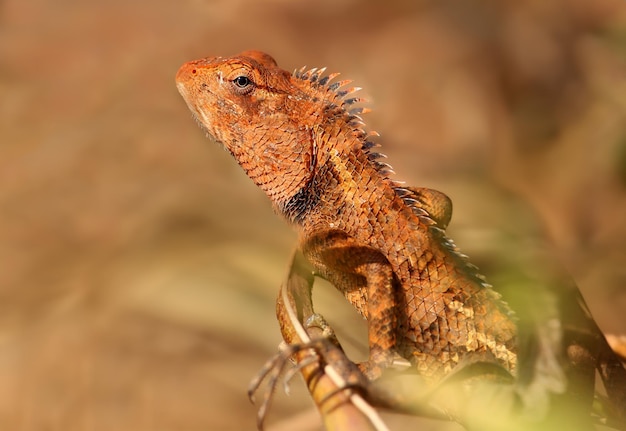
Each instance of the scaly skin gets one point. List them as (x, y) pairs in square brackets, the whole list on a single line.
[(300, 139)]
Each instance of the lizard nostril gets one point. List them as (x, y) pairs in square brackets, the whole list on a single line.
[(193, 71)]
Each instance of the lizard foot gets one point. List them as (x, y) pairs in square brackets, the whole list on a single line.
[(320, 352), (317, 321), (271, 372)]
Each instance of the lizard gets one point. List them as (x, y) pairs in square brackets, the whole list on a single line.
[(300, 137)]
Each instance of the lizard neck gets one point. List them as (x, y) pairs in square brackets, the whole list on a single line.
[(346, 183), (282, 165), (336, 176)]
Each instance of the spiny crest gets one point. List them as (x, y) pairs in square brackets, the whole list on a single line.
[(349, 105), (368, 139), (316, 76)]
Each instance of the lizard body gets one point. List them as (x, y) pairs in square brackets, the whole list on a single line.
[(300, 139)]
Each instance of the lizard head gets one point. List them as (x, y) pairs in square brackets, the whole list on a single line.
[(270, 120), (229, 95), (252, 107)]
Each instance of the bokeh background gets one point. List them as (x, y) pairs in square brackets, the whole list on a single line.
[(138, 264)]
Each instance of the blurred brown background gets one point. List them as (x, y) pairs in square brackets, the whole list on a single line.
[(138, 264)]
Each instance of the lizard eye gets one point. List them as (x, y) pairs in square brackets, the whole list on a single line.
[(243, 84)]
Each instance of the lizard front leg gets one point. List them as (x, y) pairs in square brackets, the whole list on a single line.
[(381, 318), (300, 325), (331, 378), (367, 280)]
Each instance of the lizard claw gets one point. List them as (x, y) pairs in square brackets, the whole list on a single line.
[(271, 372)]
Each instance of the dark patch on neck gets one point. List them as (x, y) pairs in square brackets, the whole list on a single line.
[(297, 207)]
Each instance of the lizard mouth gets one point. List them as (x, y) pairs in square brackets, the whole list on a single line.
[(199, 116)]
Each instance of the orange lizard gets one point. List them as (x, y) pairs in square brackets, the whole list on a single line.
[(301, 139)]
